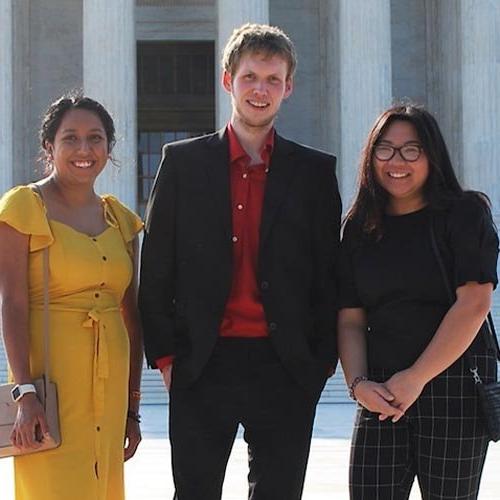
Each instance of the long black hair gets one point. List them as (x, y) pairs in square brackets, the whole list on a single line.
[(441, 185)]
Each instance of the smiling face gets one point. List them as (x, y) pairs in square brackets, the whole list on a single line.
[(80, 149), (257, 88), (403, 180)]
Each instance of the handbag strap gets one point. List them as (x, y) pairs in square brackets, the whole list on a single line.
[(493, 333), (452, 298), (46, 315)]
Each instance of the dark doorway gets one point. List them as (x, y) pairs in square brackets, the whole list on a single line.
[(176, 100)]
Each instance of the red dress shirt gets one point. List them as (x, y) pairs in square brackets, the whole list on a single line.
[(244, 314)]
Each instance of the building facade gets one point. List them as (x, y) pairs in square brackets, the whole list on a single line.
[(155, 65)]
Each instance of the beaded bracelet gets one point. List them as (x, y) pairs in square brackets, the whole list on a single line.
[(134, 416), (354, 383)]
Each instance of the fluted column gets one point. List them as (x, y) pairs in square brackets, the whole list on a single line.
[(444, 73), (6, 96), (365, 79), (481, 97), (230, 15), (480, 20), (109, 75)]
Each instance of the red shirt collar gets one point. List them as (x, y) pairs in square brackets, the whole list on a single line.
[(236, 151)]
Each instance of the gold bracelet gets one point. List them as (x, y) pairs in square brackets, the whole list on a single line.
[(135, 394)]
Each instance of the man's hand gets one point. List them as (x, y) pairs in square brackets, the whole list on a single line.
[(166, 373)]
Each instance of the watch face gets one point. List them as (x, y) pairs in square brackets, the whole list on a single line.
[(16, 393)]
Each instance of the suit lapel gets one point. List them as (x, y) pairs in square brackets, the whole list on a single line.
[(217, 169), (281, 171)]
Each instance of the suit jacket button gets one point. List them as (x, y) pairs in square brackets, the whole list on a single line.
[(264, 285), (273, 326)]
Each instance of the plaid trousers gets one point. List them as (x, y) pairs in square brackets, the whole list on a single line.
[(441, 440)]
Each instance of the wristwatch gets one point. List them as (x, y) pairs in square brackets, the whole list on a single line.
[(20, 390)]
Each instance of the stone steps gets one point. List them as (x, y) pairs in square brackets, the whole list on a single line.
[(153, 391)]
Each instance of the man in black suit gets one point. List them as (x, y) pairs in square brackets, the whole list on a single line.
[(237, 287)]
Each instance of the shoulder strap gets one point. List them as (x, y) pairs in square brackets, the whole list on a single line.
[(46, 318), (488, 325)]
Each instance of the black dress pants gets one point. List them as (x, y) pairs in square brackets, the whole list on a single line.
[(243, 382)]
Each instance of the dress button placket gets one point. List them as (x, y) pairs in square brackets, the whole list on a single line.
[(104, 259), (97, 296)]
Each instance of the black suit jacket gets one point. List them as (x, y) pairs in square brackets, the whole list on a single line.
[(186, 267)]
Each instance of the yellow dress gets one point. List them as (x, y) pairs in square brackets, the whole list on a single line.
[(89, 352)]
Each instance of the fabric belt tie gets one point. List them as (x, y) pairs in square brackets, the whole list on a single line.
[(101, 358)]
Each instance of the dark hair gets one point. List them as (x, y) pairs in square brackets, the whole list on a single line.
[(252, 38), (57, 110), (441, 185)]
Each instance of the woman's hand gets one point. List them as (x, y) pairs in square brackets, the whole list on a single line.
[(377, 399), (132, 438), (30, 427), (132, 321), (406, 387)]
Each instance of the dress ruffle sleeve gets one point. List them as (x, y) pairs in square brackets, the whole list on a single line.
[(128, 222), (473, 242), (22, 209)]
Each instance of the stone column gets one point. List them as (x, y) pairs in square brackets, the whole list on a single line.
[(443, 70), (331, 98), (6, 96), (481, 97), (110, 76), (365, 77), (463, 76), (480, 20), (230, 15)]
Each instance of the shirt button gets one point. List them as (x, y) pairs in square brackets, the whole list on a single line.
[(244, 176), (264, 285), (235, 239), (94, 239), (273, 326), (97, 428), (102, 284), (104, 257), (266, 170), (96, 295), (239, 206)]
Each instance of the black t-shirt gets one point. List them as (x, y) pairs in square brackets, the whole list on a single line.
[(398, 282)]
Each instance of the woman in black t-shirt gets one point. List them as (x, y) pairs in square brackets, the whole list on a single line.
[(400, 342)]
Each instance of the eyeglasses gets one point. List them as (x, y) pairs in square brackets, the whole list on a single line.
[(409, 152)]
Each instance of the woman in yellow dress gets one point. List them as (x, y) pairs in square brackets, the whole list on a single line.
[(95, 334)]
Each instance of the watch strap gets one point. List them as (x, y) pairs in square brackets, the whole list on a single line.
[(19, 390)]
